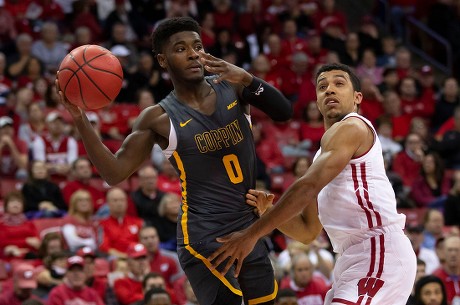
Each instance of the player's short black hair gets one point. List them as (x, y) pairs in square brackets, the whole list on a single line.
[(337, 66), (169, 27)]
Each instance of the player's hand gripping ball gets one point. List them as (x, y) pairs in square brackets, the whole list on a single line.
[(90, 77)]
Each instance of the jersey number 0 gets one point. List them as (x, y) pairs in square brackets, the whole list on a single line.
[(233, 168)]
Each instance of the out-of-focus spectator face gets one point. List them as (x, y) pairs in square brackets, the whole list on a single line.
[(312, 113), (389, 45), (369, 59), (119, 32), (148, 178), (139, 266), (452, 252), (408, 87), (290, 28), (403, 59), (50, 32), (36, 113), (39, 170), (146, 99), (224, 37), (172, 206), (208, 21), (261, 64), (155, 282), (421, 271), (82, 169), (83, 203), (117, 202), (301, 166), (299, 63), (302, 270), (24, 43), (54, 246), (392, 79), (14, 206), (41, 86), (274, 44), (392, 103), (431, 294), (457, 119), (56, 127), (150, 239), (24, 96), (450, 87), (34, 67), (419, 126), (413, 142), (435, 222), (76, 277), (145, 62), (352, 41), (82, 35), (328, 5), (7, 131), (222, 6)]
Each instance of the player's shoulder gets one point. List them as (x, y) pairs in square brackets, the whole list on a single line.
[(353, 123)]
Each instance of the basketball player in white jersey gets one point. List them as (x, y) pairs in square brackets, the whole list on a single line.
[(346, 186)]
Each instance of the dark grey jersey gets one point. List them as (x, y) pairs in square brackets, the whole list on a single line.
[(215, 158)]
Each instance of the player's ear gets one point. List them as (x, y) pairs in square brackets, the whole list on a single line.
[(161, 60)]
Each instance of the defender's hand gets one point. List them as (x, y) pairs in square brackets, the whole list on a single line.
[(260, 200)]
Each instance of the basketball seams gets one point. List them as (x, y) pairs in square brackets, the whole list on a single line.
[(102, 86)]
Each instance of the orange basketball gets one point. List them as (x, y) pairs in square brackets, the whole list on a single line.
[(90, 77)]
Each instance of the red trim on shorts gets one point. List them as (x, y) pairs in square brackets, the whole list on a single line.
[(343, 301), (382, 256), (372, 263)]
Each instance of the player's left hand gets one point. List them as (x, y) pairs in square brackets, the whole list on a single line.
[(225, 70), (235, 246)]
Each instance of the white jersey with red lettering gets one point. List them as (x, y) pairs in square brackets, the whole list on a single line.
[(376, 263), (360, 201)]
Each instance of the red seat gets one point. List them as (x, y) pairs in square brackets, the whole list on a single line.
[(7, 185), (47, 225)]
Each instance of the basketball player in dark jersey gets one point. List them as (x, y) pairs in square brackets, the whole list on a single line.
[(204, 128)]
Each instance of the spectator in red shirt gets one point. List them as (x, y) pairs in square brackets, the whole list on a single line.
[(413, 102), (18, 236), (449, 272), (400, 121), (407, 163), (277, 60), (78, 227), (267, 149), (312, 126), (129, 289), (309, 289), (290, 42), (81, 174), (403, 58), (168, 179), (162, 261), (119, 229), (96, 279), (23, 283), (73, 290), (13, 151)]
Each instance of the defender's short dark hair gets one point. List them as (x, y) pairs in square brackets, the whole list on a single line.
[(169, 27), (337, 66)]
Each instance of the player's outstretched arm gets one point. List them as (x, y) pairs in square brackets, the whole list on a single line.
[(303, 227), (114, 168), (338, 146), (251, 89)]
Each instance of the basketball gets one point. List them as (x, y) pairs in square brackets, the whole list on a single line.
[(90, 77)]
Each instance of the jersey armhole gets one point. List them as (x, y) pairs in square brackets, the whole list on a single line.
[(172, 146)]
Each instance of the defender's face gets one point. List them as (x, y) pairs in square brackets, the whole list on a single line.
[(335, 94), (181, 56)]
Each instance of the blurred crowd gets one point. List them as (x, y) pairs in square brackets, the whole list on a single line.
[(66, 235)]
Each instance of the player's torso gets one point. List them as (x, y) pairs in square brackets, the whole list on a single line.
[(215, 158), (360, 200)]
